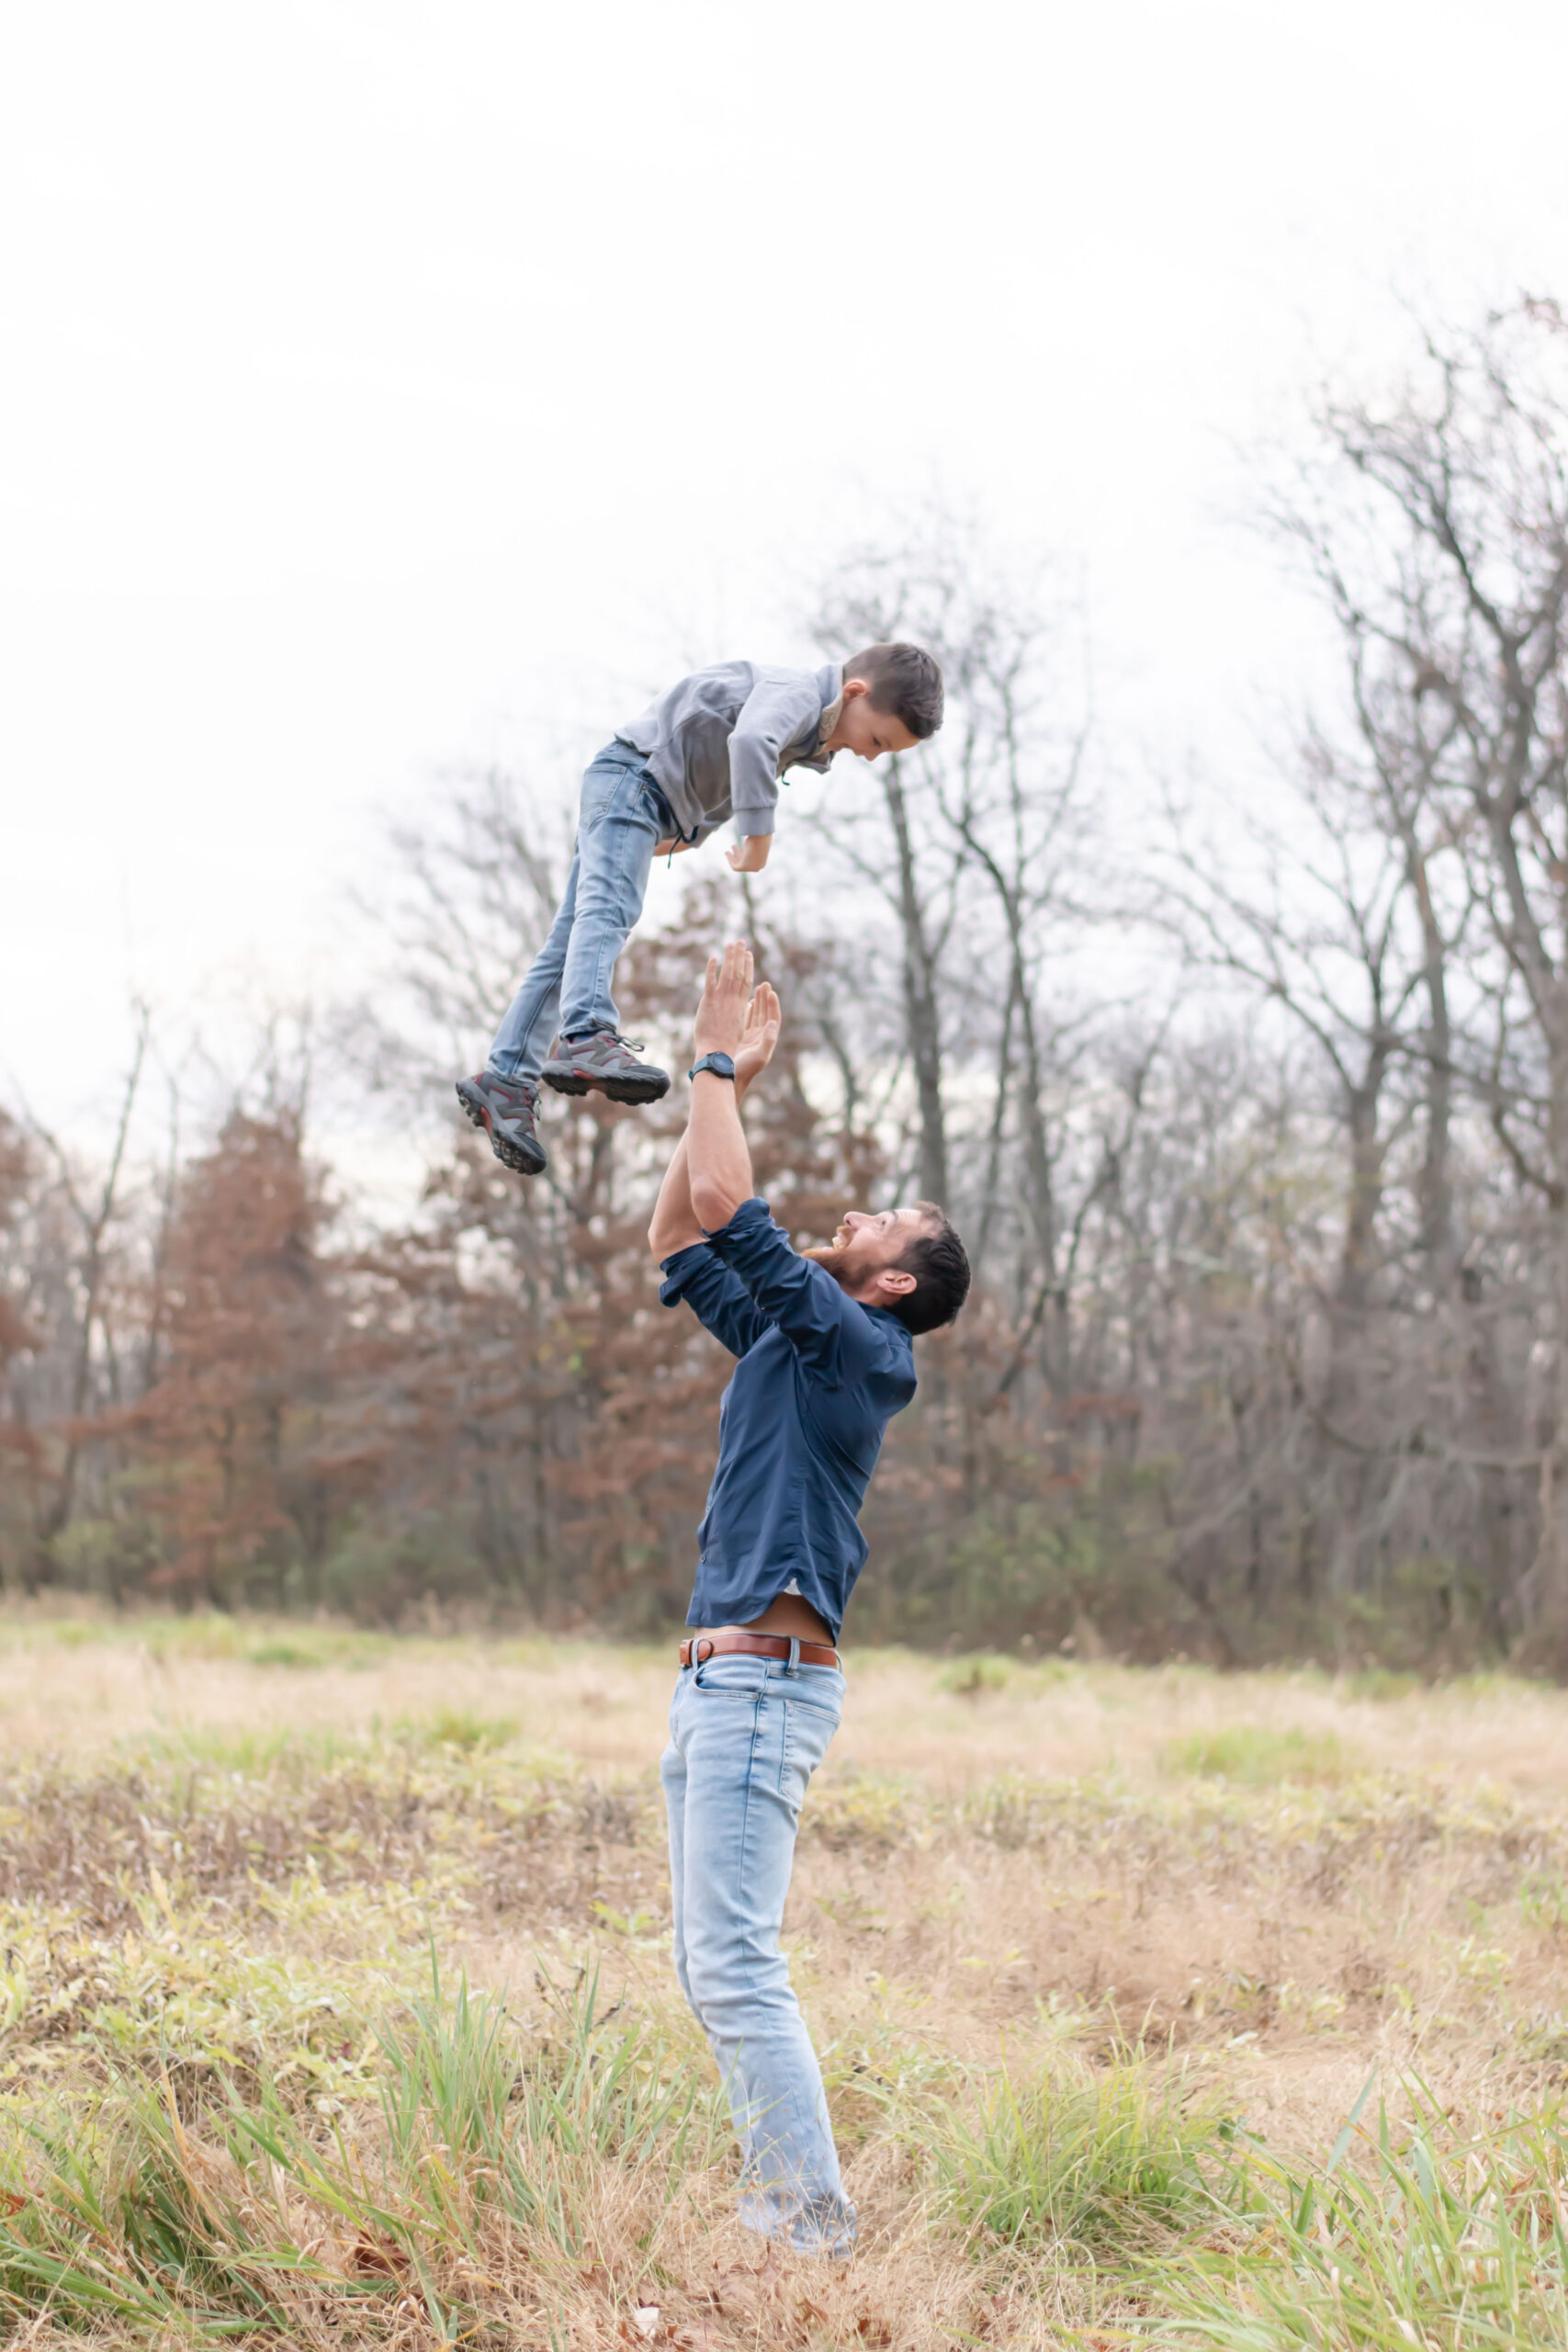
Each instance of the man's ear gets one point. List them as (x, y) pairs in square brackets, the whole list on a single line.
[(896, 1280)]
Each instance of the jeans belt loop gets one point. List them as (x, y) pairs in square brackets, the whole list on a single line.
[(794, 1666)]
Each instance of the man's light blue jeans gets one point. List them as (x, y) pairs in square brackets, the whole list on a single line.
[(745, 1733), (624, 814)]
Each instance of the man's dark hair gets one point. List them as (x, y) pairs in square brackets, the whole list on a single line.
[(905, 683), (936, 1260)]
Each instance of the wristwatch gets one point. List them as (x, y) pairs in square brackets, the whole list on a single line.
[(720, 1064)]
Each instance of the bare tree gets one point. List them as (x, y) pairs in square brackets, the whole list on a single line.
[(1452, 586)]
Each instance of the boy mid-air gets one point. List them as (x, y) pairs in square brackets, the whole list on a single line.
[(714, 747)]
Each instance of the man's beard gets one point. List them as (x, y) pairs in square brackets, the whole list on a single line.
[(835, 1257)]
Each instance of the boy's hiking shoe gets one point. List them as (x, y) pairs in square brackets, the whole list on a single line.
[(603, 1063), (504, 1108)]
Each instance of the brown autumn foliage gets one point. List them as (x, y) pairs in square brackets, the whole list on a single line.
[(1256, 1133), (230, 1438), (17, 1174)]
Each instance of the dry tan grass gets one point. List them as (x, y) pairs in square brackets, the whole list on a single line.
[(1019, 1866), (605, 1706)]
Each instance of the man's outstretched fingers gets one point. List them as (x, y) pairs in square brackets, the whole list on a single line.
[(734, 983), (721, 1016)]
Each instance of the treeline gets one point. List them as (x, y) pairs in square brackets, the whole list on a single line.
[(1255, 1119)]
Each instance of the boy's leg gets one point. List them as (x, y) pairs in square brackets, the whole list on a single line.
[(748, 1736), (503, 1098), (621, 823), (518, 1049)]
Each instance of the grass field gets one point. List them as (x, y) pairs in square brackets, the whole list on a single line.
[(337, 2009)]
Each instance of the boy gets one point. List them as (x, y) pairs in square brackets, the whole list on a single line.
[(714, 747)]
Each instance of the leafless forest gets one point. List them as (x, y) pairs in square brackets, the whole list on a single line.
[(1254, 1113)]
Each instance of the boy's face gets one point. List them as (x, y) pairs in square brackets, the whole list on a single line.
[(865, 730)]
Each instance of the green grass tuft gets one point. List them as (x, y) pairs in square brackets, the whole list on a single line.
[(1257, 1757), (461, 1728), (970, 1677), (1109, 2161), (1427, 2240), (1382, 1684), (282, 1654)]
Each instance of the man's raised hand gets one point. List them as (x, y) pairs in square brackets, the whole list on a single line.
[(727, 992), (760, 1035)]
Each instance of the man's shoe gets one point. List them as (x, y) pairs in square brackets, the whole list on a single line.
[(504, 1108), (603, 1064)]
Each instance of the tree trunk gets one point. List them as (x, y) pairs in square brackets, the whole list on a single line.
[(922, 1019)]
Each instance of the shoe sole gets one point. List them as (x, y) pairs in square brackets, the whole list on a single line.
[(511, 1155), (619, 1090)]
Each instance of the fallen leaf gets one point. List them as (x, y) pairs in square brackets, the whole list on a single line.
[(377, 2257)]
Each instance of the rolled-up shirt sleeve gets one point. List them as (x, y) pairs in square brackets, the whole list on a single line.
[(773, 713), (793, 1292), (719, 1299)]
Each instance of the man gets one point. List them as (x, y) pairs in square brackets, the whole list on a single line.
[(824, 1339)]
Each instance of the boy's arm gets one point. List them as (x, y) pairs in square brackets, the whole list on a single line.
[(774, 713)]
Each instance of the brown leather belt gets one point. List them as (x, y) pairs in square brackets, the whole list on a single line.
[(703, 1646)]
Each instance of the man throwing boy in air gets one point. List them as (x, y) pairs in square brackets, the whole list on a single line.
[(714, 747), (824, 1339)]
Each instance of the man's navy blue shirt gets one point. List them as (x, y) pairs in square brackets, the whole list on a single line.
[(801, 1423)]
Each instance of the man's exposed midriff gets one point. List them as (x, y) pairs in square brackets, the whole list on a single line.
[(789, 1615)]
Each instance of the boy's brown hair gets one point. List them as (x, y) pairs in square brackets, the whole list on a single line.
[(905, 683)]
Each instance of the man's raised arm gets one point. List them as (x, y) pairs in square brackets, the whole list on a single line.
[(676, 1225), (718, 1162)]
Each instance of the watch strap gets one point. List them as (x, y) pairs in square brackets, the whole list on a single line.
[(720, 1064)]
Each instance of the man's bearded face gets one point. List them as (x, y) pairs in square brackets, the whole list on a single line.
[(866, 1241)]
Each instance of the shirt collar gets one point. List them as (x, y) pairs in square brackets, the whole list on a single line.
[(831, 682)]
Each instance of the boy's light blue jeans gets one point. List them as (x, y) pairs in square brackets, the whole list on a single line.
[(624, 814), (745, 1733)]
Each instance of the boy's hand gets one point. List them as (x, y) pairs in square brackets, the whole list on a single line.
[(727, 991), (671, 848), (760, 1035), (751, 856)]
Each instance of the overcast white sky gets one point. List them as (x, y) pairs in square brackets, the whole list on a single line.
[(382, 382)]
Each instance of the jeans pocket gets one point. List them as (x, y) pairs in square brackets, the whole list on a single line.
[(807, 1732), (658, 808), (744, 1677)]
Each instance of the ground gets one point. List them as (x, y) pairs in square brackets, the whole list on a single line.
[(337, 2006)]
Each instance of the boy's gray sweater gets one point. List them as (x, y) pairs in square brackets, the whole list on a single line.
[(718, 743)]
